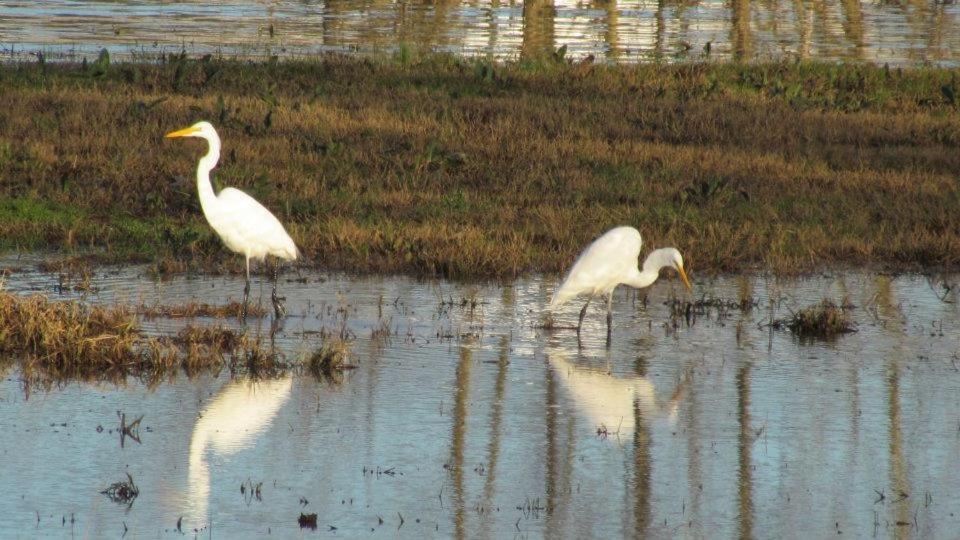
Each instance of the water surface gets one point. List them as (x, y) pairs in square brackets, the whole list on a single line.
[(471, 421), (905, 32)]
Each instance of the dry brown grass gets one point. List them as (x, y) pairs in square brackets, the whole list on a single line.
[(330, 360), (58, 340), (823, 321), (69, 336), (189, 310), (456, 167)]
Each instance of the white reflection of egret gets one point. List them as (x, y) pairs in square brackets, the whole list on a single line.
[(240, 413), (609, 401)]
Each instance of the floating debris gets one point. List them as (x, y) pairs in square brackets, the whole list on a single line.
[(122, 492), (251, 491), (705, 304), (131, 430), (549, 322), (308, 521)]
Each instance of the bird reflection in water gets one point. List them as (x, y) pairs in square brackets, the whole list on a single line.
[(241, 413), (611, 402)]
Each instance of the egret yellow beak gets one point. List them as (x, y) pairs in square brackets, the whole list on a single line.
[(182, 133), (683, 276)]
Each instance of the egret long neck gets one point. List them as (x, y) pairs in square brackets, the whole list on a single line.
[(650, 272), (207, 197)]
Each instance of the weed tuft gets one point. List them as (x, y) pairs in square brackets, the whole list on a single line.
[(190, 310), (330, 359), (824, 321)]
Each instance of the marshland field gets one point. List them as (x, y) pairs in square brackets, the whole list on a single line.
[(440, 165)]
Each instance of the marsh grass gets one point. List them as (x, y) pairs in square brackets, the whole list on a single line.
[(68, 336), (56, 341), (330, 360), (824, 320), (253, 357), (193, 309), (461, 167)]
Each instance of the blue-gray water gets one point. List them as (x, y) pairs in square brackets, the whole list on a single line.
[(499, 429), (900, 33)]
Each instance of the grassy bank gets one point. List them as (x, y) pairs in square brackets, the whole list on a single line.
[(466, 168)]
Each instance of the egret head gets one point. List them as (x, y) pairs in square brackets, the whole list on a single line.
[(200, 129), (676, 262)]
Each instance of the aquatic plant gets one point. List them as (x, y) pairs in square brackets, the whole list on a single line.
[(330, 358), (62, 340), (192, 309), (823, 320)]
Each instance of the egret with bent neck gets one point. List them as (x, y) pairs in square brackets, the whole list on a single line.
[(609, 261)]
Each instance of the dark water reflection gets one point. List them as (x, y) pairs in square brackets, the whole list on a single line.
[(716, 429), (898, 32)]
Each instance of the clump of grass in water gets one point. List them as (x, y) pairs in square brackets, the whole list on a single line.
[(383, 331), (823, 320), (57, 341), (200, 309), (330, 359), (251, 357), (214, 336), (69, 337), (204, 347)]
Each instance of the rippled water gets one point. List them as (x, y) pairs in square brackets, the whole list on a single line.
[(898, 32), (470, 421)]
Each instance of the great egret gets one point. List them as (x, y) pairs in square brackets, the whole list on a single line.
[(609, 261), (244, 225)]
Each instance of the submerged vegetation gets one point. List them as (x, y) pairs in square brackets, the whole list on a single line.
[(463, 167)]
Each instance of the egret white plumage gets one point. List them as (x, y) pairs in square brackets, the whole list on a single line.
[(609, 261), (244, 225)]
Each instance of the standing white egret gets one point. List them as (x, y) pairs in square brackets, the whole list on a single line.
[(244, 225), (609, 261)]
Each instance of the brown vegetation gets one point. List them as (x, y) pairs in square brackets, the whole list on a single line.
[(330, 360), (233, 309), (55, 341), (461, 167), (824, 320)]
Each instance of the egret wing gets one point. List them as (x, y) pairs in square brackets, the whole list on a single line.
[(251, 227), (602, 265)]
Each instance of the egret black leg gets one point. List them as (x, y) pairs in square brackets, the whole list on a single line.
[(246, 294), (278, 308), (583, 313), (609, 315)]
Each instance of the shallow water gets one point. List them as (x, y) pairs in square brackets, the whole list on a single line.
[(499, 429), (896, 32)]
